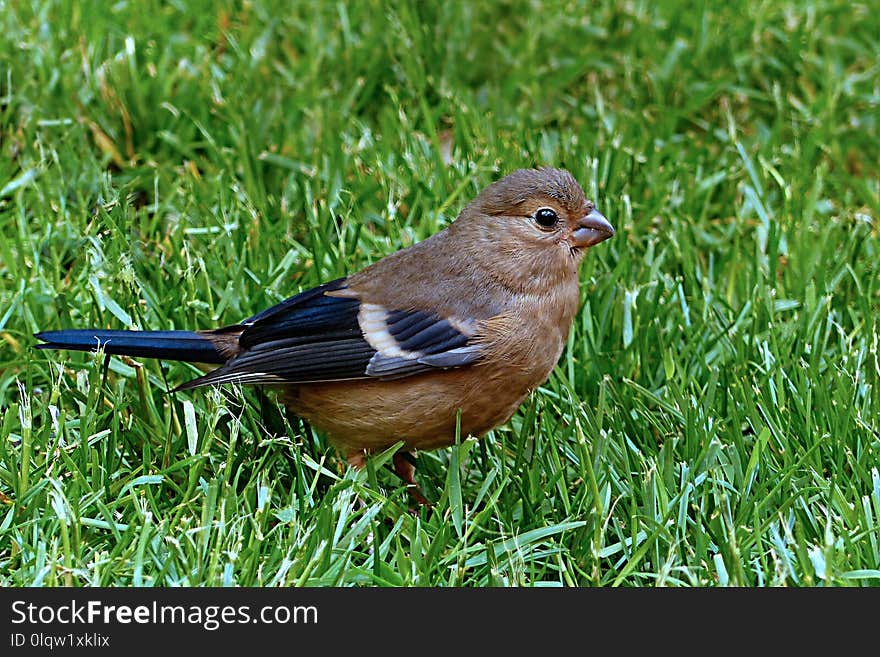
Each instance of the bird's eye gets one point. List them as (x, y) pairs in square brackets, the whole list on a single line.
[(546, 218)]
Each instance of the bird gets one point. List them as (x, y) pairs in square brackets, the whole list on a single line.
[(446, 336)]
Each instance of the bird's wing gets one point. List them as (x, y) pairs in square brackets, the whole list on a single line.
[(329, 333)]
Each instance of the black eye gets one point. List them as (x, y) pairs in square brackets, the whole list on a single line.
[(546, 217)]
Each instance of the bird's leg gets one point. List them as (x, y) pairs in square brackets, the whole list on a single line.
[(406, 470), (357, 459), (403, 467)]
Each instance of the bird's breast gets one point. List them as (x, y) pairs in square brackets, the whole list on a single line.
[(522, 346)]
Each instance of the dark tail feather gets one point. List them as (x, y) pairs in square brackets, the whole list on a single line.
[(169, 345)]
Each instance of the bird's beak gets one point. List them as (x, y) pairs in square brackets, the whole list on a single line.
[(591, 229)]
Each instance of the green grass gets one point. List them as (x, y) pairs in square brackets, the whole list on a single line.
[(715, 419)]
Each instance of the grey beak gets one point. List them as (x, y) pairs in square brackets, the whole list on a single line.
[(591, 229)]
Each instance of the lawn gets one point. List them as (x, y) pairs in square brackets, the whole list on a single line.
[(713, 421)]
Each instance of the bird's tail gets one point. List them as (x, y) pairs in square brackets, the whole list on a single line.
[(187, 346)]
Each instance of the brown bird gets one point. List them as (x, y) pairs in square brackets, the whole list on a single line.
[(467, 321)]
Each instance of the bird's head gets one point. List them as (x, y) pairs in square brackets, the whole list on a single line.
[(540, 221)]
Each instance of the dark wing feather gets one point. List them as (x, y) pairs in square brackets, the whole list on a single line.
[(312, 337), (298, 300), (310, 314)]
